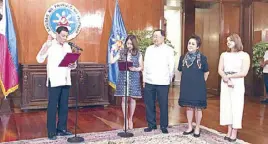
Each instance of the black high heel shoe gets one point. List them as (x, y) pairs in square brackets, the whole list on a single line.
[(187, 133)]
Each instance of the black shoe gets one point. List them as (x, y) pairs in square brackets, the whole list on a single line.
[(63, 133), (164, 130), (187, 133), (197, 135), (226, 138), (231, 140), (149, 129), (52, 136)]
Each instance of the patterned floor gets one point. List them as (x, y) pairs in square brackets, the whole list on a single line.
[(208, 136)]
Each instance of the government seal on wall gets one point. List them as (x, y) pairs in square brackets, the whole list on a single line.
[(62, 14)]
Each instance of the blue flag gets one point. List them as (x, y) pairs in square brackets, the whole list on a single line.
[(116, 42)]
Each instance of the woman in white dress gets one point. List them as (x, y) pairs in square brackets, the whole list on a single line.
[(233, 67)]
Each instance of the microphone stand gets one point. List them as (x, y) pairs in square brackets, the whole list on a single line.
[(76, 139), (125, 134)]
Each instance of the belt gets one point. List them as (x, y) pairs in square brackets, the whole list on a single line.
[(230, 73)]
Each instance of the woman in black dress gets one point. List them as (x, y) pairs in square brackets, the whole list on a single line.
[(193, 94)]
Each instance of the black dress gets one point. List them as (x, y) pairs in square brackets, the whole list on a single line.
[(193, 92)]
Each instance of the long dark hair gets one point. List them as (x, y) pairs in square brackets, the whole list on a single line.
[(134, 41)]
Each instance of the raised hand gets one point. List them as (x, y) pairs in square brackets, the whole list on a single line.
[(49, 39)]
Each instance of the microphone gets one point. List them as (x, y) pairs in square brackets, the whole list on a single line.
[(126, 51), (75, 46)]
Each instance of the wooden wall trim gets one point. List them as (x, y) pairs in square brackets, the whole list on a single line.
[(188, 23), (247, 39)]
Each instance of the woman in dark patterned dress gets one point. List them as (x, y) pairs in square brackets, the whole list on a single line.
[(133, 76), (194, 73)]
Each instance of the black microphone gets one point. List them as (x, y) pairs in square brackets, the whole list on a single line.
[(75, 46), (126, 51)]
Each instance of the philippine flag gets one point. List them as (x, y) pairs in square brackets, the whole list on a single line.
[(8, 52)]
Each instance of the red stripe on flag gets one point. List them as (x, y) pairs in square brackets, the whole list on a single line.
[(8, 72)]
